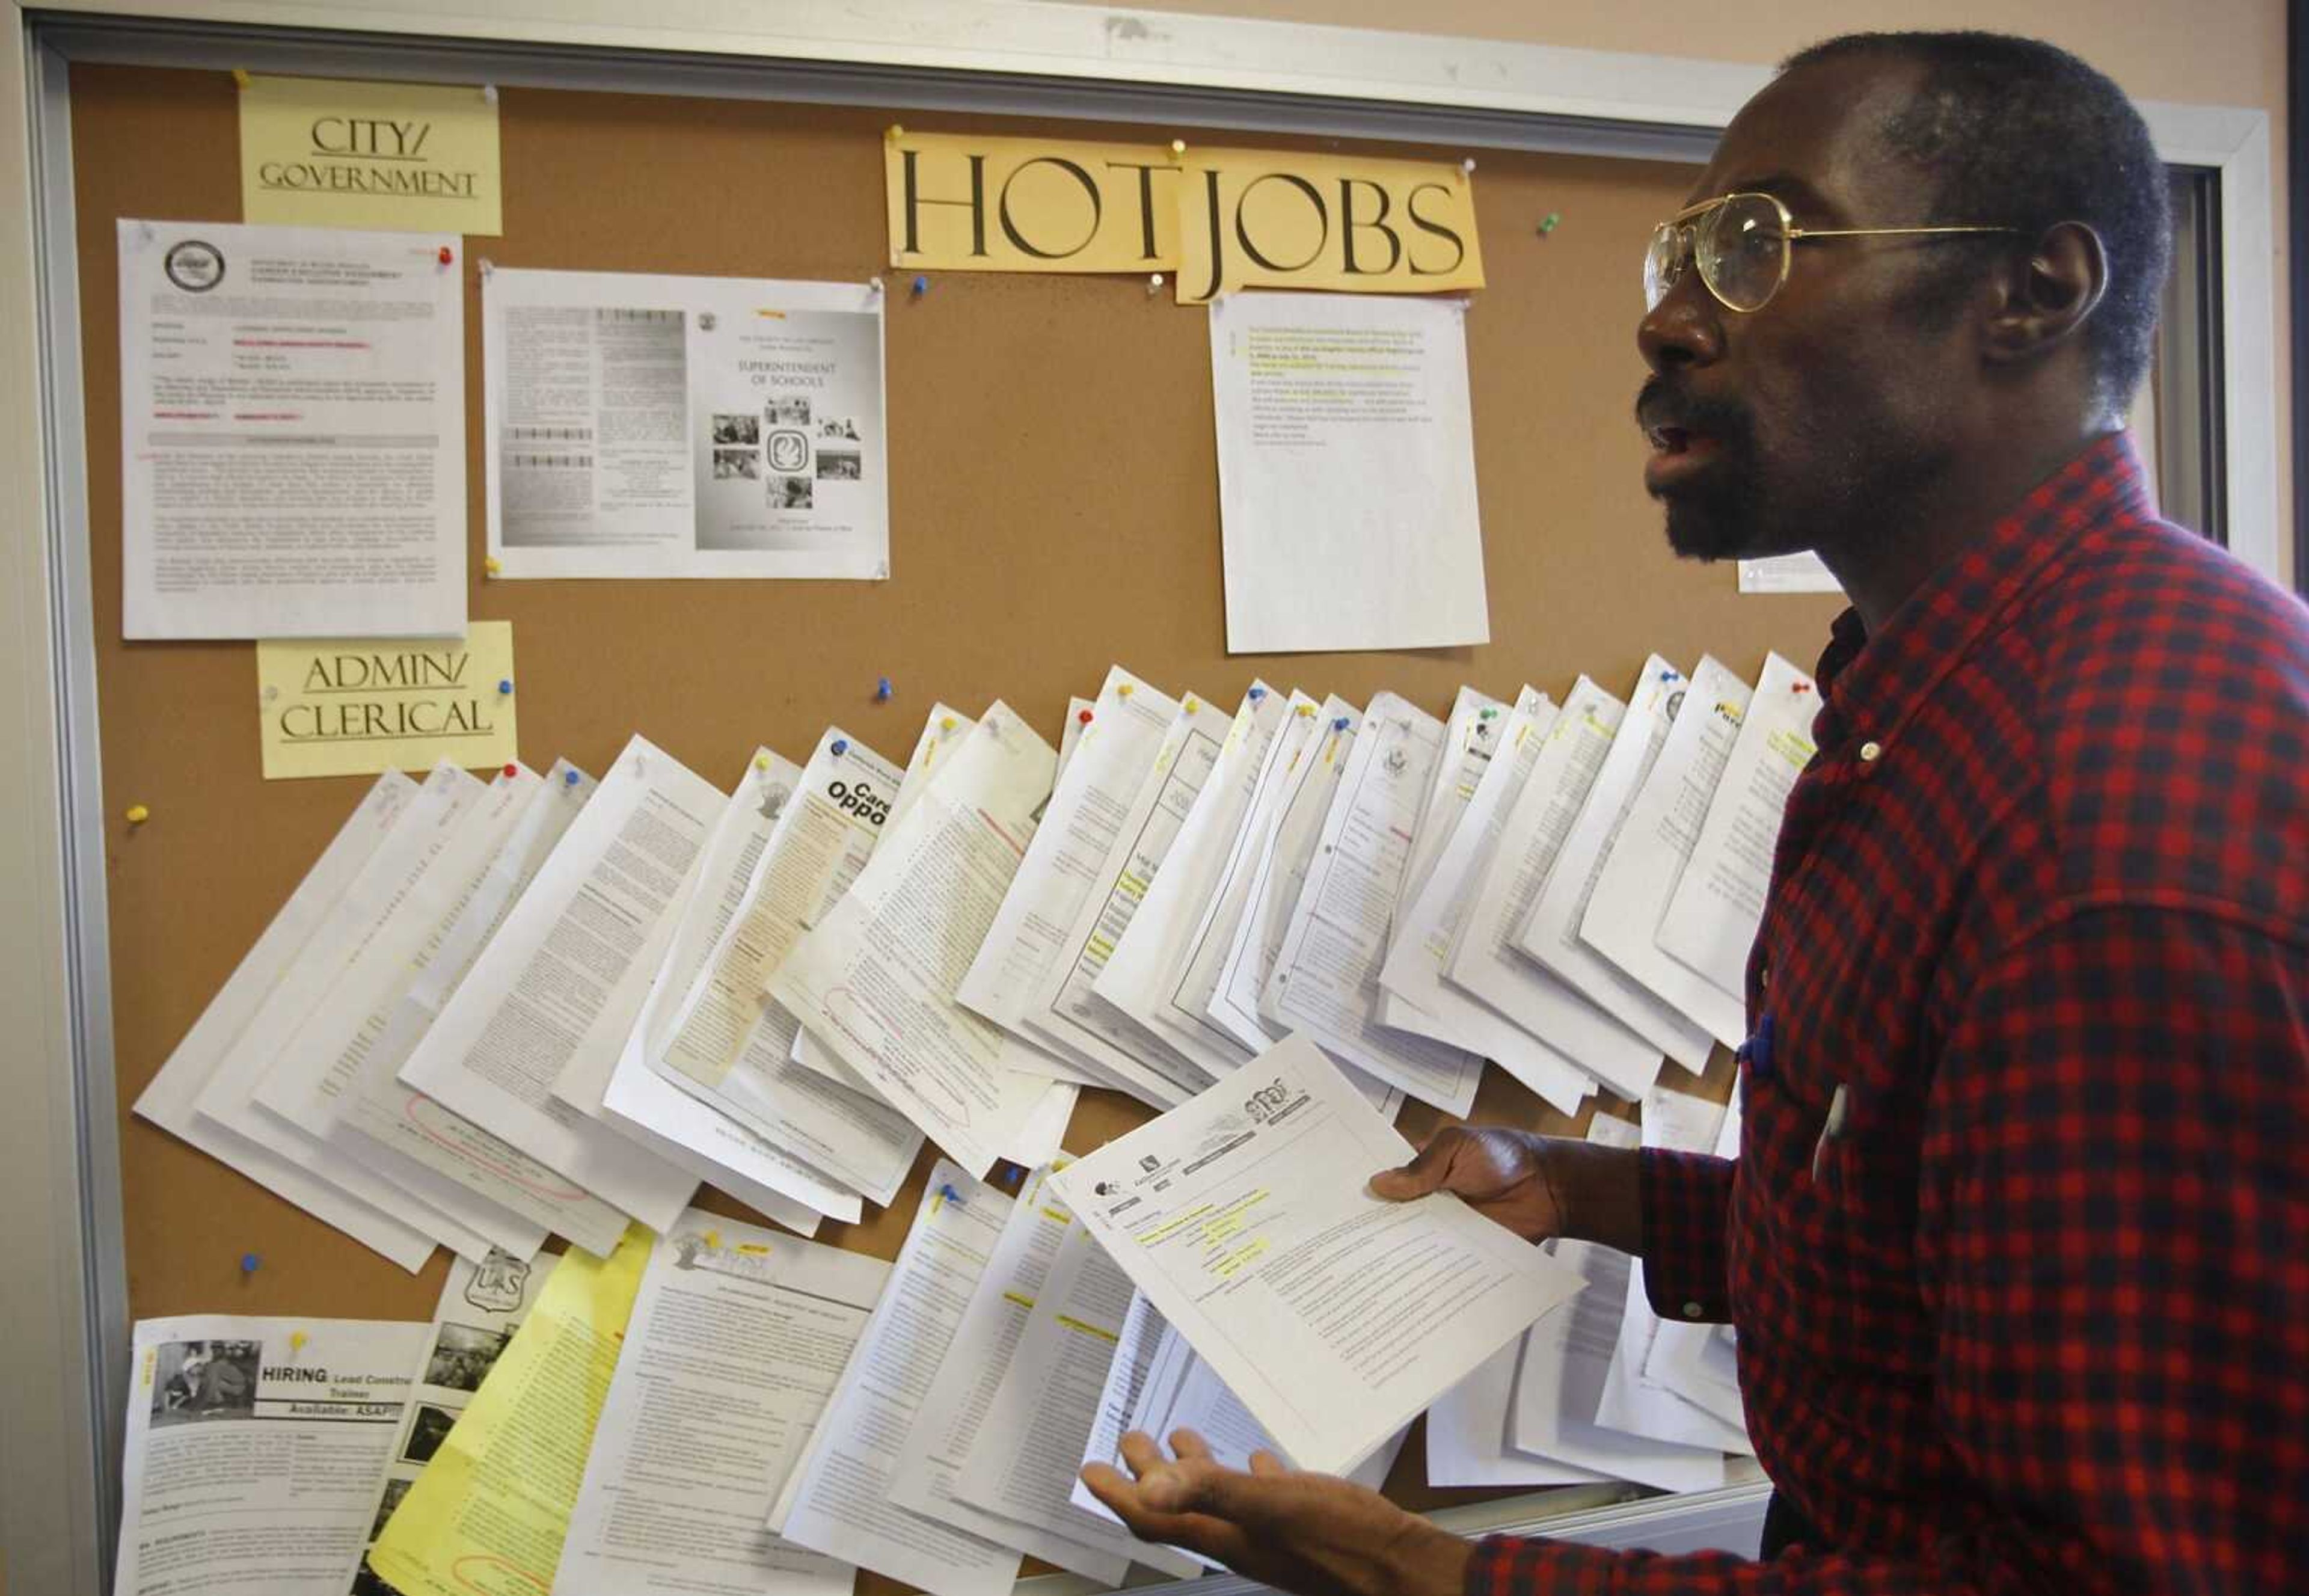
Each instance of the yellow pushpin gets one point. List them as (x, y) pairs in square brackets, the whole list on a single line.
[(240, 77), (138, 814), (713, 1240), (1125, 690), (1306, 709), (1192, 705), (896, 132), (761, 761), (296, 1338), (946, 725), (492, 565)]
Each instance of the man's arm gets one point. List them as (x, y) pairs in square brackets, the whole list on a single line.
[(2114, 1224)]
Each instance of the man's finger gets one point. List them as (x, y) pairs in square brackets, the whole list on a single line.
[(1140, 1451), (1185, 1444), (1423, 1174), (1211, 1538), (1267, 1465)]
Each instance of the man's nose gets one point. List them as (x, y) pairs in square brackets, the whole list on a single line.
[(1683, 328)]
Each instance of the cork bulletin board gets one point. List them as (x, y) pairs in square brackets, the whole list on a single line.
[(1053, 507)]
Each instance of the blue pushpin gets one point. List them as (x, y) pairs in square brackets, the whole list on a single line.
[(921, 286), (569, 779), (1256, 693), (1667, 676), (882, 689), (250, 1264), (841, 747), (1339, 724), (950, 1194), (504, 684)]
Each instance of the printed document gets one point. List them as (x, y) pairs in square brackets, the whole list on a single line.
[(1648, 858), (1064, 1010), (1471, 734), (481, 1305), (876, 980), (168, 1099), (736, 1341), (686, 1130), (1029, 1451), (366, 911), (1326, 979), (655, 426), (553, 981), (1424, 932), (1467, 1430), (1336, 1317), (1346, 473), (292, 427), (959, 1406), (1484, 962), (1113, 754), (1238, 1001), (1144, 970), (837, 1499), (498, 1491), (1698, 1364), (422, 1146), (1711, 920), (254, 1449), (731, 1044)]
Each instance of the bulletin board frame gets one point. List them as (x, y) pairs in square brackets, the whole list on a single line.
[(59, 1470)]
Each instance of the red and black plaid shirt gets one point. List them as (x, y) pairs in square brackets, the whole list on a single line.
[(2030, 1311)]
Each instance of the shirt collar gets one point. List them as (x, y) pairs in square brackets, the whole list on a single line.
[(1870, 685)]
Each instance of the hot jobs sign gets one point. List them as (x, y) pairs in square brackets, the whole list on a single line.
[(1214, 220)]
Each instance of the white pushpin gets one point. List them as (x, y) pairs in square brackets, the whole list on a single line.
[(1177, 147), (875, 283), (489, 93), (1468, 165), (488, 266), (1154, 285)]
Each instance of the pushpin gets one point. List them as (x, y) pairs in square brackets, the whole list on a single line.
[(1178, 148), (875, 283), (950, 1194), (922, 285), (1154, 285), (504, 684), (1083, 716), (761, 761), (1306, 709), (1256, 693), (1339, 724), (1126, 689), (1549, 223), (489, 93), (489, 267), (882, 689), (569, 779), (492, 565), (1667, 675), (713, 1238), (449, 257), (841, 747), (1192, 705), (297, 1340), (1490, 714), (138, 814), (894, 132), (240, 77), (1468, 165), (946, 725), (511, 769), (250, 1264)]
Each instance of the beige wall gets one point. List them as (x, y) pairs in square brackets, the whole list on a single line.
[(2212, 52)]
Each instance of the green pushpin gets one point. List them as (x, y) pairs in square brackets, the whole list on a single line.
[(1549, 223)]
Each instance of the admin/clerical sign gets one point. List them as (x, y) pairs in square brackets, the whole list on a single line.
[(370, 704), (1215, 220)]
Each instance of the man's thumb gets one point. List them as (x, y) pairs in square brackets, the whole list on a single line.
[(1422, 1175)]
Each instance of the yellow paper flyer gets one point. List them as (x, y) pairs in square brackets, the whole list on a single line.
[(490, 1514), (363, 705), (408, 157)]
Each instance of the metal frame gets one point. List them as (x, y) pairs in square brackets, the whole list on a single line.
[(65, 1312)]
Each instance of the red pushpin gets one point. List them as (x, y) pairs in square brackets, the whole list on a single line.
[(1084, 716), (513, 770), (446, 257)]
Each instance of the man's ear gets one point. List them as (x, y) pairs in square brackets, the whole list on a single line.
[(2049, 294)]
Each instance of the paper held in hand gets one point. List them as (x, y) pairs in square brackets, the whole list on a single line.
[(1336, 1316)]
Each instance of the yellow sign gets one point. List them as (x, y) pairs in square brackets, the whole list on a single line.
[(408, 157), (1219, 219), (372, 704)]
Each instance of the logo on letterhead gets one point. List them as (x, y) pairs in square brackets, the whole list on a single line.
[(194, 265), (498, 1283)]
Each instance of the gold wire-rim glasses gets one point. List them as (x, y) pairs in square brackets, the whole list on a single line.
[(1694, 235)]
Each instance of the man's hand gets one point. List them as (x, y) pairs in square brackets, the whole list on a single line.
[(1538, 1186), (1309, 1533)]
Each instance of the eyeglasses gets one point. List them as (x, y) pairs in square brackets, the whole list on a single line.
[(1742, 243)]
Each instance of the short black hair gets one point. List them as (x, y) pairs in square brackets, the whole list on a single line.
[(2021, 133)]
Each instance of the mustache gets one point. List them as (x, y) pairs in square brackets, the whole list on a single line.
[(1662, 402)]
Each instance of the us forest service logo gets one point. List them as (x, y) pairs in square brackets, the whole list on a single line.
[(499, 1285), (194, 265)]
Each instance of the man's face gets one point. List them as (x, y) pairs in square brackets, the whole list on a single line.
[(1806, 423)]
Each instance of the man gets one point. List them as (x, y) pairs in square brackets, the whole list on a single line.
[(2018, 1242)]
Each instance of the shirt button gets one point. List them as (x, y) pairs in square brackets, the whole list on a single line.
[(1871, 751), (1764, 976), (1693, 1310)]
